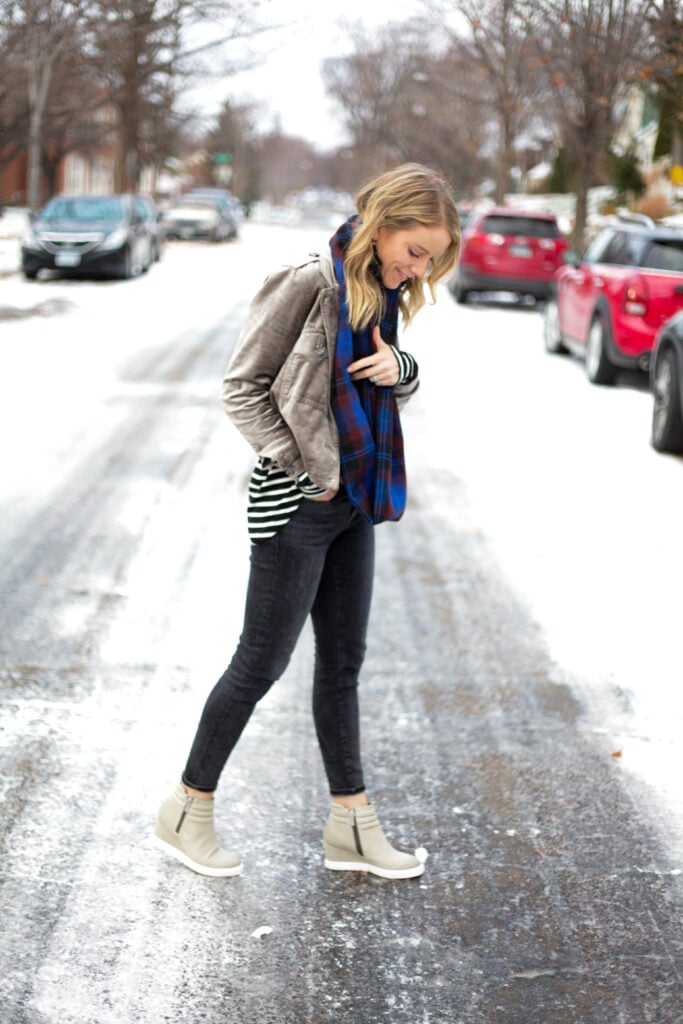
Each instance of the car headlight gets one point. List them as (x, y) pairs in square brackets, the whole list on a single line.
[(29, 241), (114, 240)]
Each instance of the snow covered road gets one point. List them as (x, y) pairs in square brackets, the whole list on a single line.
[(524, 634)]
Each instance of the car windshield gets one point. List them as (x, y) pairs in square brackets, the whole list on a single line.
[(530, 227), (664, 254), (82, 208)]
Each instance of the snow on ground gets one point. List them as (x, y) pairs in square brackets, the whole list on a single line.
[(583, 513), (13, 223), (584, 516)]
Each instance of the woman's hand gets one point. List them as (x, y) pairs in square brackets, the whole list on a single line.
[(381, 367)]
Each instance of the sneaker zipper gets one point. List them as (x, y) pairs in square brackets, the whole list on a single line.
[(188, 804), (356, 833)]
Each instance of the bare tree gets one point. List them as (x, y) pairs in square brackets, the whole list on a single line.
[(148, 52), (367, 86), (400, 101), (497, 45), (143, 51), (587, 50), (40, 34), (664, 68), (13, 99)]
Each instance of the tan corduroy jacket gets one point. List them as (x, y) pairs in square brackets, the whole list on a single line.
[(278, 385)]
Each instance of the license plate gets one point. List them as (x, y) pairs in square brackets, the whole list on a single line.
[(67, 259), (521, 250), (186, 232)]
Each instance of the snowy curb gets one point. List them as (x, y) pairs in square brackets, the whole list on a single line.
[(13, 223)]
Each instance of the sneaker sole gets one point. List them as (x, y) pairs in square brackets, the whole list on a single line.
[(373, 869), (201, 869)]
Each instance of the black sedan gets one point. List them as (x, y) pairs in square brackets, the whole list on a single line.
[(86, 235), (666, 378)]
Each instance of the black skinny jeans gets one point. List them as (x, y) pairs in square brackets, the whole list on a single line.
[(321, 562)]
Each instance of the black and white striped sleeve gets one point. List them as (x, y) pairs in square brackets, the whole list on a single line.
[(407, 366)]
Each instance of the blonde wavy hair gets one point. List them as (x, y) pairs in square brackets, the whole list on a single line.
[(398, 199)]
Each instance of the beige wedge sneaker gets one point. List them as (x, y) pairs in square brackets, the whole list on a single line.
[(354, 841), (184, 829)]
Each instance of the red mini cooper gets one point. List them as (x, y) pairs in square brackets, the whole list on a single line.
[(609, 306), (508, 250)]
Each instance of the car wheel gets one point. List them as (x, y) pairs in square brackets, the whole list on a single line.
[(599, 369), (30, 275), (552, 335), (667, 422)]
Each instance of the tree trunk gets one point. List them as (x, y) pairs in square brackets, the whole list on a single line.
[(501, 178), (45, 52), (504, 162), (34, 158), (583, 181), (38, 86)]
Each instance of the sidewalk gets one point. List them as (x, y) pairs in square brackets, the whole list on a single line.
[(12, 226)]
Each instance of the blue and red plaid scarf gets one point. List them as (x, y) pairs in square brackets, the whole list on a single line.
[(370, 437)]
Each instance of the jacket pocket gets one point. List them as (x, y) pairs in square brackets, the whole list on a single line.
[(303, 380)]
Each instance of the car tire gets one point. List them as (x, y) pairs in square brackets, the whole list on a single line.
[(552, 335), (30, 275), (599, 368), (667, 422)]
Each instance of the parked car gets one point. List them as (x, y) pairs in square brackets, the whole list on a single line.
[(508, 250), (89, 235), (609, 306), (666, 381), (226, 197), (200, 216)]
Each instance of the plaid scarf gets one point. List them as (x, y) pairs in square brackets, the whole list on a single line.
[(370, 438)]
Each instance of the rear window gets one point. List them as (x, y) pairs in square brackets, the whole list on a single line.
[(530, 227), (624, 250), (664, 254)]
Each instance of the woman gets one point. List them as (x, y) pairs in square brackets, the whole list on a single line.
[(313, 386)]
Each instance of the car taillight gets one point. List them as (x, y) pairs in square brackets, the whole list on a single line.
[(476, 241), (548, 243), (636, 297)]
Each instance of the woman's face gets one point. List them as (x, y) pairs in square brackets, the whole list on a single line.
[(406, 253)]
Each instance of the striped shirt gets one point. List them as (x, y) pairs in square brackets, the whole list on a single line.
[(274, 497)]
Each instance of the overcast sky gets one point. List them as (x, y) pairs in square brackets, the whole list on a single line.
[(288, 81)]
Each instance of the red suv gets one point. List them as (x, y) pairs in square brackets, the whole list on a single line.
[(508, 250), (609, 306)]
